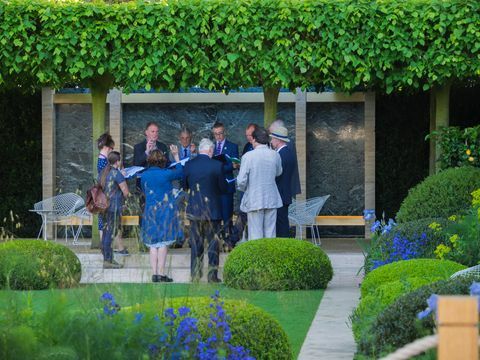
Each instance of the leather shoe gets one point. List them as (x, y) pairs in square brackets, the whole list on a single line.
[(214, 280), (164, 278)]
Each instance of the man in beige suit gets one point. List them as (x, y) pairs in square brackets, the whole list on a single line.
[(256, 178)]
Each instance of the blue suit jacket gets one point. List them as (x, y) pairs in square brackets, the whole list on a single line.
[(230, 149), (205, 181), (284, 181)]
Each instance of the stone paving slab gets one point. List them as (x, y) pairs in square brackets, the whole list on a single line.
[(330, 335)]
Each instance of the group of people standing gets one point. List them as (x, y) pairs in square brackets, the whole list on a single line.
[(204, 188)]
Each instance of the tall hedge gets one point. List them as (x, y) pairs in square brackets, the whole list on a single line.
[(219, 44)]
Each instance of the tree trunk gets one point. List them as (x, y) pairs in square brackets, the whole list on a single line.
[(270, 105), (439, 117), (99, 88)]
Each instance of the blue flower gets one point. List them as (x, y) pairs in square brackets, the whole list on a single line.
[(375, 226), (475, 289), (106, 296), (369, 214), (138, 318), (423, 314), (183, 311), (432, 302), (170, 313)]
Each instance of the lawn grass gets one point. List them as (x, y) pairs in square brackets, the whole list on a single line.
[(294, 310)]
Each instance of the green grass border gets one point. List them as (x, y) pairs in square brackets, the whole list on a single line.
[(294, 310)]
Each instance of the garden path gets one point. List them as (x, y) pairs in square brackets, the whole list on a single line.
[(330, 336)]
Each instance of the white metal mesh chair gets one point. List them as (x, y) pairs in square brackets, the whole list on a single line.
[(471, 271), (83, 217), (303, 213), (57, 209)]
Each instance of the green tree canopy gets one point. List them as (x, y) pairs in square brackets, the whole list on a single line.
[(223, 45)]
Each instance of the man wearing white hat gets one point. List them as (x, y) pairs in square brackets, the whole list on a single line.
[(279, 140)]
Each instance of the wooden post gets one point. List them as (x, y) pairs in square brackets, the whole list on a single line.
[(458, 328), (439, 117)]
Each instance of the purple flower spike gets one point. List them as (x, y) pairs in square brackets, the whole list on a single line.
[(432, 302), (475, 289), (423, 314)]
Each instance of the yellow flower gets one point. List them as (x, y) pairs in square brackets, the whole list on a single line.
[(471, 158), (453, 239), (468, 152), (435, 226), (453, 218), (441, 251), (476, 197)]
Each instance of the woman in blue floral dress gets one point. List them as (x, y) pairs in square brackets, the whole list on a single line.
[(161, 221)]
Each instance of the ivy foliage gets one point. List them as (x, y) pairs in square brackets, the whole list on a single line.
[(221, 45)]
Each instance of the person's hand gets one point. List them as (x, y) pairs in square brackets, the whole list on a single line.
[(150, 146), (174, 152), (193, 148), (174, 149)]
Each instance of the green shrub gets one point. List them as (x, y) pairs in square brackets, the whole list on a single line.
[(53, 333), (251, 327), (440, 195), (402, 270), (397, 325), (36, 265), (371, 305), (17, 342), (381, 247), (277, 264)]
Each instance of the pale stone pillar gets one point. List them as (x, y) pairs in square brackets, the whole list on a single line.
[(115, 120), (369, 109), (439, 117), (48, 147), (301, 139)]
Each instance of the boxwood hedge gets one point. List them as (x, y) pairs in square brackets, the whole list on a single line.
[(251, 327), (277, 264), (36, 265), (397, 325), (402, 270), (440, 195)]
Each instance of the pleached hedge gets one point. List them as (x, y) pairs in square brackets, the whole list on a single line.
[(222, 45)]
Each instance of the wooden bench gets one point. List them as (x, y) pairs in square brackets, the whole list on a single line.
[(340, 220), (128, 220)]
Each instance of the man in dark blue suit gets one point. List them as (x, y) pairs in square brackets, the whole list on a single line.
[(296, 189), (205, 182), (279, 140), (225, 147)]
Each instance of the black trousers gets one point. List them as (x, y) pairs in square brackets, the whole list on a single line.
[(283, 227), (202, 231)]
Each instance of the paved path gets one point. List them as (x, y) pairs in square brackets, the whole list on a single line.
[(330, 336)]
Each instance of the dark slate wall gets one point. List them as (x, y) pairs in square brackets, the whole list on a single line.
[(198, 117), (74, 147), (335, 156)]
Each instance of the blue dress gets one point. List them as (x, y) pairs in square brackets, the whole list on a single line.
[(102, 163), (161, 221)]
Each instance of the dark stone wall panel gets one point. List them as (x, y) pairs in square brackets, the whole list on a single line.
[(335, 156), (74, 147), (198, 117)]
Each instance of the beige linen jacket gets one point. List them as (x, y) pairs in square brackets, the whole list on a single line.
[(256, 178)]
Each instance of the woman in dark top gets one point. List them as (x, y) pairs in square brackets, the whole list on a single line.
[(161, 221), (116, 189)]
